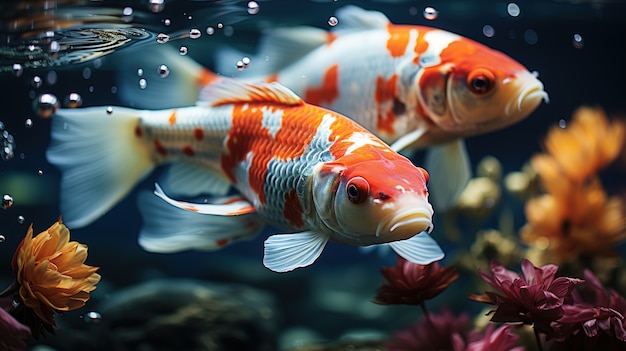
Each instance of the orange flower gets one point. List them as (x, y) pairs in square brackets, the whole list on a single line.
[(576, 216), (51, 272)]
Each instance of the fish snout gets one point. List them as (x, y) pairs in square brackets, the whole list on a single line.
[(530, 94), (406, 222)]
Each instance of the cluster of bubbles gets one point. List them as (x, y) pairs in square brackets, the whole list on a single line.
[(162, 70), (243, 63), (8, 144)]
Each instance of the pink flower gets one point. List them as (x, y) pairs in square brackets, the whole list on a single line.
[(598, 314), (411, 283), (13, 334), (434, 332), (501, 339), (536, 298)]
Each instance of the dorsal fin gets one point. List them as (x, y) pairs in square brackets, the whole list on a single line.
[(231, 91), (353, 18)]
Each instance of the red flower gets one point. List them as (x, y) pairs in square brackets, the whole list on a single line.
[(501, 339), (434, 332), (411, 284), (536, 298), (12, 333), (598, 314)]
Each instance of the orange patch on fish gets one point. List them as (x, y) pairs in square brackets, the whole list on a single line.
[(205, 77), (249, 135), (138, 132), (188, 150), (328, 92), (222, 242), (293, 210), (198, 134), (420, 47), (161, 150), (172, 119), (272, 78), (384, 96), (398, 40), (330, 37)]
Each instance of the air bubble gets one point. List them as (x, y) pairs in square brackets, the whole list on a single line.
[(28, 123), (246, 61), (86, 73), (220, 25), (40, 172), (253, 7), (488, 31), (7, 201), (55, 47), (73, 100), (127, 14), (109, 110), (143, 83), (183, 50), (163, 71), (531, 37), (239, 65), (332, 21), (7, 142), (36, 82), (92, 317), (195, 33), (18, 69), (512, 9), (139, 72), (162, 38), (210, 30), (156, 6), (167, 22), (2, 238), (562, 123), (52, 77), (46, 105), (21, 219), (578, 41), (430, 13)]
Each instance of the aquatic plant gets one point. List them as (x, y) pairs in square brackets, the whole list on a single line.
[(536, 298), (50, 276), (575, 216)]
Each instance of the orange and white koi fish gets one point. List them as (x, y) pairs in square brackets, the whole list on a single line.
[(309, 171), (412, 86)]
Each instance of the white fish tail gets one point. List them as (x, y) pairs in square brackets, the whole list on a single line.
[(99, 157)]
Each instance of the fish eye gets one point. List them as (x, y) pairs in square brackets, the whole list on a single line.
[(481, 81), (425, 174), (357, 190)]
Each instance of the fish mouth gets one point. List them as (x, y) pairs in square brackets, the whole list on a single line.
[(405, 224), (529, 97)]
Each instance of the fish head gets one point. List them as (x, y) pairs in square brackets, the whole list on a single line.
[(372, 201), (474, 89)]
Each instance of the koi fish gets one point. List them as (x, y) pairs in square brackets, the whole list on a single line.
[(311, 172), (412, 86)]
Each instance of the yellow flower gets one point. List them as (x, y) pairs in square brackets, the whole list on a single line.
[(576, 216), (51, 272)]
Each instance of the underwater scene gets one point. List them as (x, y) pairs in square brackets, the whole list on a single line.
[(313, 175)]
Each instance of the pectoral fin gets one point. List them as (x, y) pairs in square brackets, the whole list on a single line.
[(286, 252), (449, 169), (420, 249), (222, 206)]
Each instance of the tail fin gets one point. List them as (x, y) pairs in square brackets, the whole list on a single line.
[(142, 84), (100, 159)]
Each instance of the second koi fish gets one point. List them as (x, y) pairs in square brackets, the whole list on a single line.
[(309, 171)]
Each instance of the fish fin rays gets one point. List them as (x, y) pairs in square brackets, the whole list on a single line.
[(420, 249), (231, 91), (408, 140), (278, 48), (179, 88), (222, 206), (190, 179), (163, 231), (449, 169), (99, 157), (353, 18), (286, 252)]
